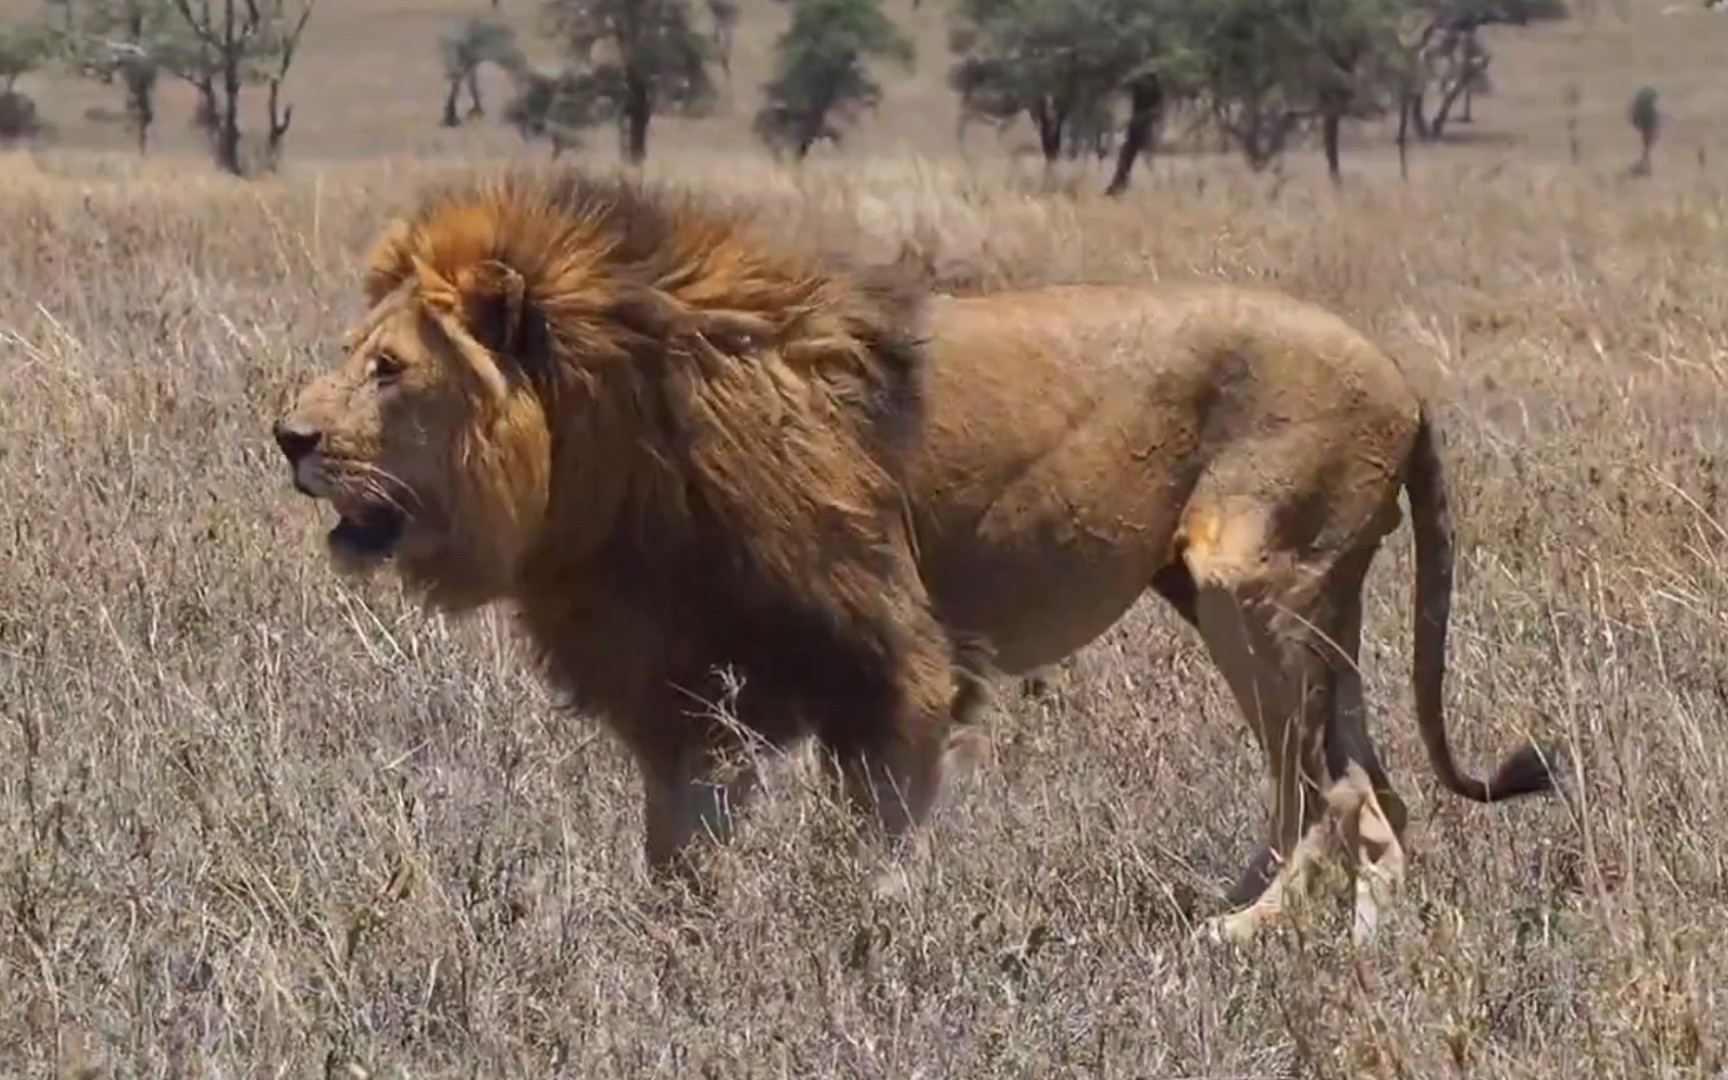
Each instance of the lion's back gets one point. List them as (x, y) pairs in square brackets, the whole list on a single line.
[(1029, 365), (1067, 427)]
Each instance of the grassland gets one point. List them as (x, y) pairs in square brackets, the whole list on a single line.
[(257, 821)]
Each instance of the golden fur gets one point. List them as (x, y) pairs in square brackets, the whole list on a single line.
[(675, 452), (1239, 452)]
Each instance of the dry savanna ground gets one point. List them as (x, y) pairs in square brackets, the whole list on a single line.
[(255, 820)]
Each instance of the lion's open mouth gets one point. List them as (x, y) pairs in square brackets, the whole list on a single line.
[(369, 532)]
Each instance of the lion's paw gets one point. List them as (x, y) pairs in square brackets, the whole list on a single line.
[(891, 884), (1233, 928)]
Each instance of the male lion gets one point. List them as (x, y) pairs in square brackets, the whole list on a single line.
[(676, 452)]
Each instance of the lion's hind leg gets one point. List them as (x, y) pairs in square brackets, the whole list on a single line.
[(1269, 611), (1234, 622), (1374, 823)]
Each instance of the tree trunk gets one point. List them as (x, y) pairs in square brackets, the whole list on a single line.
[(1417, 103), (1646, 141), (815, 118), (141, 118), (280, 117), (475, 108), (228, 122), (1437, 126), (228, 133), (140, 78), (638, 111), (141, 104), (450, 118), (1404, 138), (1145, 106), (1329, 124), (1049, 123)]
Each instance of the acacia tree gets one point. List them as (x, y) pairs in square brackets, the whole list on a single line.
[(634, 59), (1064, 64), (553, 105), (24, 47), (1254, 76), (1357, 67), (1161, 70), (820, 76), (1056, 62), (240, 43), (1271, 71)]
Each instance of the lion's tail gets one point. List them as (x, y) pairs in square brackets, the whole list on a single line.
[(1525, 771)]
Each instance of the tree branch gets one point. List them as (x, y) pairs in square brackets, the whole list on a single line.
[(201, 30)]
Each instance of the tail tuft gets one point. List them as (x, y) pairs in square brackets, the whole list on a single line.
[(1532, 769)]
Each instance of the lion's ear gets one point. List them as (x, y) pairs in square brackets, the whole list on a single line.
[(434, 289), (491, 297)]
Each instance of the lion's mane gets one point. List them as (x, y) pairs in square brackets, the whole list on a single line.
[(724, 429)]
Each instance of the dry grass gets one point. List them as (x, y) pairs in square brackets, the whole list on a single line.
[(256, 821)]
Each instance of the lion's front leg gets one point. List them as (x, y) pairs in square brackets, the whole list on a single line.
[(690, 793), (888, 769), (892, 785), (895, 781)]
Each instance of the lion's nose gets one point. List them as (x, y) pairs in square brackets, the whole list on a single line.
[(296, 442)]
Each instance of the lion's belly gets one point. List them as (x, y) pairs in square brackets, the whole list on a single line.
[(1058, 455), (1036, 603), (1042, 539)]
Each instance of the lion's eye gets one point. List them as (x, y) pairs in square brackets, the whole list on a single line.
[(385, 367)]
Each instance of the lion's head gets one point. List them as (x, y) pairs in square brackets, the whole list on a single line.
[(427, 447), (546, 362)]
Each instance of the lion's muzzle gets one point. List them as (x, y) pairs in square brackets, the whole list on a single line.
[(368, 526), (297, 443)]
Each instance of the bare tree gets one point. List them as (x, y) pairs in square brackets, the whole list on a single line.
[(245, 43), (467, 48), (1452, 60), (128, 43)]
